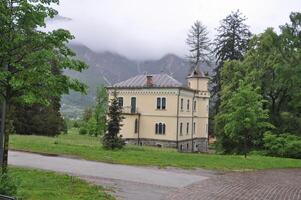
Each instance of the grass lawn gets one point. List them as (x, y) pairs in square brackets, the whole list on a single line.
[(36, 185), (90, 148)]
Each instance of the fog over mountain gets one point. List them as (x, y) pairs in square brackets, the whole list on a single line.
[(144, 29)]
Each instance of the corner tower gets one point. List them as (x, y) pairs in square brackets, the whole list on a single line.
[(197, 80)]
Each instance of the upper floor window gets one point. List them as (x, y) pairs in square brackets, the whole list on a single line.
[(188, 104), (182, 104), (187, 128), (194, 106), (181, 128), (161, 103), (160, 128), (193, 131), (120, 101)]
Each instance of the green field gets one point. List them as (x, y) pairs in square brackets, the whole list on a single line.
[(89, 148), (36, 185)]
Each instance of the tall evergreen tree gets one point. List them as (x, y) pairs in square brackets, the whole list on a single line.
[(199, 45), (100, 112), (111, 139), (230, 43)]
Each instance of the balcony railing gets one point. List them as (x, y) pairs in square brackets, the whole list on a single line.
[(129, 110)]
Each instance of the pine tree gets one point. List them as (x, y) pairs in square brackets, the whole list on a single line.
[(199, 45), (230, 44), (111, 139)]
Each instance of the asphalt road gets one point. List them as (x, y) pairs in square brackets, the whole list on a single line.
[(128, 182)]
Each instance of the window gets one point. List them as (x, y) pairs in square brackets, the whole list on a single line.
[(193, 132), (187, 128), (188, 104), (182, 102), (136, 125), (161, 103), (120, 101), (160, 128), (194, 106), (181, 128), (158, 103)]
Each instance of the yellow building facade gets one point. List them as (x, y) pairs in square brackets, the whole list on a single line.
[(160, 111)]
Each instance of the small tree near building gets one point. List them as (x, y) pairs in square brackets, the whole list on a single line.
[(111, 139)]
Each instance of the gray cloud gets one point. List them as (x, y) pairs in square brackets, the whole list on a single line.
[(148, 29)]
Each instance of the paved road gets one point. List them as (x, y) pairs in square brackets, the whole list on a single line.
[(130, 182), (282, 184)]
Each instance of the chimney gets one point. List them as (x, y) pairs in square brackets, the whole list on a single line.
[(149, 81)]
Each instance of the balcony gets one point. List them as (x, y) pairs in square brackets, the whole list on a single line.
[(129, 110)]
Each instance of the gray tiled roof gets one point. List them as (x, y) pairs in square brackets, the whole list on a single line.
[(159, 80)]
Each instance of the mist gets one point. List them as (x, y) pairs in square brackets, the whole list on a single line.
[(144, 29)]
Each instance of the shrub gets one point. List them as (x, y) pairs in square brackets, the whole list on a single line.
[(8, 186), (83, 131), (76, 125), (284, 145)]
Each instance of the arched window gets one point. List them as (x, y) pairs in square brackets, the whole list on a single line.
[(182, 102), (157, 129), (163, 129), (160, 128), (187, 128)]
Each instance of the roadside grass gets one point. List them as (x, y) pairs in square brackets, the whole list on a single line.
[(36, 184), (86, 147)]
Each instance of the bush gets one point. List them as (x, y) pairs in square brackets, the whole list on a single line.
[(76, 125), (284, 145), (8, 186), (83, 131)]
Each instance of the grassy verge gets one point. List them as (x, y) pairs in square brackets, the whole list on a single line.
[(90, 148), (36, 185)]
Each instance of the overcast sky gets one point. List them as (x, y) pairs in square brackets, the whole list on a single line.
[(148, 29)]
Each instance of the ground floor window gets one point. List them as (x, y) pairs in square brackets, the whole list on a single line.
[(160, 128), (136, 125)]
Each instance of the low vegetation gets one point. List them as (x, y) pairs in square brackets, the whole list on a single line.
[(35, 184), (89, 148)]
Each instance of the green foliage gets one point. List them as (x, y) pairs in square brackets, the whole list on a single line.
[(242, 119), (111, 139), (76, 124), (87, 115), (100, 111), (28, 56), (92, 127), (83, 131), (231, 43), (272, 65), (42, 185), (284, 145), (8, 185)]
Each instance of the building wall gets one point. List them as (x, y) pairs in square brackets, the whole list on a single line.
[(173, 116)]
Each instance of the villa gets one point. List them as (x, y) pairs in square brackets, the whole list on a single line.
[(160, 111)]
